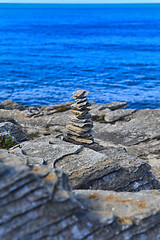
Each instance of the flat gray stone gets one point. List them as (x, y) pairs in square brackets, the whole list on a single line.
[(118, 114), (143, 126), (48, 149), (115, 105), (79, 94), (10, 105)]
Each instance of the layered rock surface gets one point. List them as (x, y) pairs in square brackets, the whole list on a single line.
[(132, 211), (109, 169), (37, 203), (139, 134)]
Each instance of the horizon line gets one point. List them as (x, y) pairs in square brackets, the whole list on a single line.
[(79, 3)]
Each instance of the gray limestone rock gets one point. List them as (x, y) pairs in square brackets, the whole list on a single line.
[(75, 119), (140, 136), (79, 112), (142, 127), (80, 106), (83, 134), (62, 107), (87, 124), (40, 198), (81, 100), (138, 133), (97, 113), (81, 139), (110, 169), (115, 105), (40, 125), (86, 116), (10, 105), (10, 129), (110, 111), (79, 94), (135, 212), (46, 149), (113, 116), (79, 128), (35, 193)]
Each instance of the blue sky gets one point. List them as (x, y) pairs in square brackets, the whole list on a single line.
[(80, 1)]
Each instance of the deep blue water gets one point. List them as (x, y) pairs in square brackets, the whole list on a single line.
[(48, 51)]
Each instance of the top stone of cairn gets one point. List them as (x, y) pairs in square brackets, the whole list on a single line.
[(79, 94)]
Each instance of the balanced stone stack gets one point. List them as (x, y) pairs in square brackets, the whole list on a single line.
[(79, 129)]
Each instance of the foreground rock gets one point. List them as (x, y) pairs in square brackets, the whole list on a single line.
[(133, 212), (110, 169), (37, 203)]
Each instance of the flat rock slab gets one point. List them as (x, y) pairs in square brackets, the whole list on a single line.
[(46, 150), (37, 125), (111, 169), (116, 115), (143, 126), (99, 111), (79, 94)]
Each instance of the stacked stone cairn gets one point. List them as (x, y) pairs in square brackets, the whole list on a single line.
[(79, 129)]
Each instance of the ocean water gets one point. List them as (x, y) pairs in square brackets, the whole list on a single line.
[(48, 51)]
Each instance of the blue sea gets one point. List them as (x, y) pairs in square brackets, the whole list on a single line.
[(47, 51)]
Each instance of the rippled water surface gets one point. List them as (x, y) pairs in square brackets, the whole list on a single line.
[(49, 51)]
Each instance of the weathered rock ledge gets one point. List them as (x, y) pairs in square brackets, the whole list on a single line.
[(110, 169), (37, 203)]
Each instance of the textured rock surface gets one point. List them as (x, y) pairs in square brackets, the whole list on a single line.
[(136, 213), (10, 105), (113, 116), (111, 169), (37, 203), (10, 129), (99, 111), (38, 125), (139, 134), (39, 199)]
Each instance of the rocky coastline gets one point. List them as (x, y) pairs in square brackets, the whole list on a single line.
[(52, 188)]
